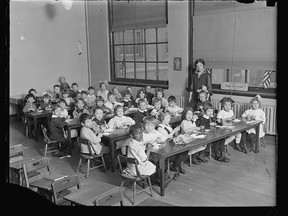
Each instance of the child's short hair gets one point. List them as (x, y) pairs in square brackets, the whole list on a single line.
[(185, 112), (172, 98), (56, 86), (163, 115), (155, 100), (55, 106), (149, 120), (29, 95), (73, 84), (226, 99), (61, 77), (61, 100), (47, 96), (128, 87), (83, 117), (90, 87), (256, 98), (30, 90), (141, 100), (117, 107), (99, 98), (159, 90), (98, 108), (207, 106), (127, 92), (134, 128), (81, 99), (65, 91), (139, 91), (115, 87)]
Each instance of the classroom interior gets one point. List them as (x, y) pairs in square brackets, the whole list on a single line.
[(86, 41)]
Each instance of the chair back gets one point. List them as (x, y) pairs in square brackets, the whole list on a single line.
[(60, 188), (127, 160), (16, 153), (85, 142), (44, 131), (35, 170)]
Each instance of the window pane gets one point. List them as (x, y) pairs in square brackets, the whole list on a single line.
[(236, 75), (128, 36), (256, 78), (150, 36), (151, 52), (140, 71), (118, 37), (163, 71), (119, 70), (129, 52), (129, 70), (139, 36), (151, 71), (118, 53), (162, 52), (140, 52), (162, 34), (218, 76)]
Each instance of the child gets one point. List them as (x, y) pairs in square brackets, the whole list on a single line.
[(140, 95), (84, 95), (56, 94), (136, 149), (111, 102), (56, 130), (63, 112), (203, 98), (46, 105), (188, 125), (63, 84), (67, 98), (254, 113), (88, 133), (172, 108), (158, 108), (34, 92), (99, 118), (160, 96), (91, 98), (142, 112), (120, 121), (204, 123), (225, 116), (165, 129), (74, 91), (29, 105), (80, 108), (102, 91), (127, 101), (78, 96), (129, 89), (116, 93), (149, 95), (100, 104)]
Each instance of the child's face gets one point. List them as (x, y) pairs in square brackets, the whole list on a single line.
[(127, 96), (200, 66), (30, 99), (148, 89), (33, 92), (209, 112), (80, 104), (129, 89), (172, 104), (138, 135), (91, 91), (157, 105), (166, 119), (62, 80), (102, 86), (75, 87), (119, 112), (87, 123), (227, 106), (202, 97), (99, 114), (111, 98), (57, 90), (57, 111), (255, 105), (189, 115), (62, 105), (99, 103), (142, 94), (143, 106), (159, 94), (149, 127), (84, 96), (78, 96), (46, 100), (65, 95), (115, 91)]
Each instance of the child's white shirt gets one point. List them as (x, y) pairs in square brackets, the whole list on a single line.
[(175, 109), (116, 121), (223, 114), (187, 125), (259, 115), (152, 136), (63, 113), (165, 129)]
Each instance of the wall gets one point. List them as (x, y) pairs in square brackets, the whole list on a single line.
[(43, 46)]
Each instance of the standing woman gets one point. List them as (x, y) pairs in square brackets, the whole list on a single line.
[(201, 79)]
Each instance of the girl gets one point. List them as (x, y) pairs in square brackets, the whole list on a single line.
[(142, 111), (158, 108), (129, 89), (99, 119), (100, 104), (116, 93), (225, 116), (63, 84), (111, 102), (63, 112), (127, 101), (149, 95), (254, 113), (120, 121), (173, 109), (80, 108), (102, 91), (140, 95), (67, 98), (91, 98), (160, 96), (203, 99), (188, 125), (136, 149)]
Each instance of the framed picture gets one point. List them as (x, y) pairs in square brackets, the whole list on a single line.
[(177, 64)]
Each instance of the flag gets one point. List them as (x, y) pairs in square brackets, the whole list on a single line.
[(266, 79), (209, 71), (122, 68)]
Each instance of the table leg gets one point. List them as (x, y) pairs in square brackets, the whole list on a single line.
[(69, 139), (29, 126), (257, 138), (162, 176), (112, 155), (210, 150), (35, 128)]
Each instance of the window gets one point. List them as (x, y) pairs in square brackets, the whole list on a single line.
[(140, 56)]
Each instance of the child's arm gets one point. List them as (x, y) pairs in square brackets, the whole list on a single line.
[(246, 114), (129, 121)]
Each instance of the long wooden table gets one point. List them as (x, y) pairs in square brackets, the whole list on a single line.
[(168, 148)]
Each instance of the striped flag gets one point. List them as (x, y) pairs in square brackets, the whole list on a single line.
[(122, 68), (266, 79), (209, 70)]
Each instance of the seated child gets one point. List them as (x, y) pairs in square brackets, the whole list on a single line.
[(78, 95), (111, 102), (158, 108), (56, 94), (172, 108), (74, 91), (203, 98), (136, 149), (142, 112), (80, 108), (46, 105), (165, 128), (225, 116), (56, 130), (160, 96), (116, 93), (204, 123), (63, 112), (99, 119), (100, 104), (37, 98), (148, 94), (63, 84), (127, 101), (29, 105), (140, 95), (91, 98), (67, 98), (84, 95), (129, 89), (120, 121), (103, 92), (254, 113), (95, 138)]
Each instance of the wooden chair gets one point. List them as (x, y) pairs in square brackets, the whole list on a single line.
[(61, 188), (49, 148), (89, 156), (16, 153), (134, 179), (111, 198)]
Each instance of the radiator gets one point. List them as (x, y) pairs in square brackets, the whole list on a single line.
[(239, 109), (180, 101)]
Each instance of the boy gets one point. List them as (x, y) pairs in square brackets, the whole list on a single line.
[(65, 96), (100, 104), (29, 105), (63, 84), (127, 100), (111, 102), (56, 130), (203, 95), (142, 112), (74, 91), (91, 98), (149, 95), (120, 121), (56, 94), (172, 108), (46, 105), (158, 109)]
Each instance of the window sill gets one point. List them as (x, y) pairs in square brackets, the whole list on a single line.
[(140, 83)]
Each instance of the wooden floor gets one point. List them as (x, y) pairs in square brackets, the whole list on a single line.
[(248, 180)]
